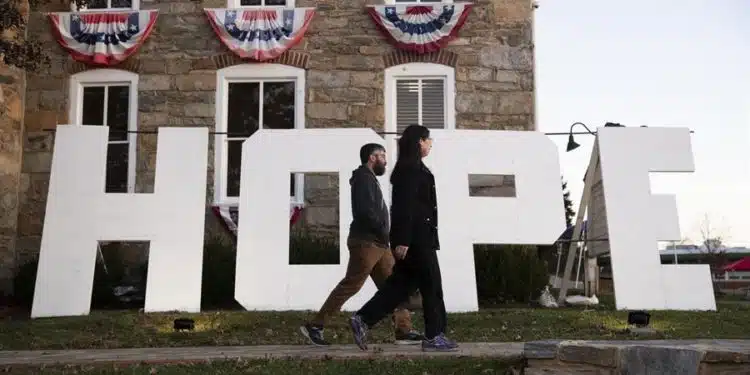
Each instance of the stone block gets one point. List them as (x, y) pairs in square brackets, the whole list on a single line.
[(152, 120), (336, 111), (38, 141), (351, 94), (724, 369), (54, 100), (506, 57), (659, 360), (40, 120), (554, 367), (359, 62), (9, 188), (368, 79), (488, 102), (333, 78), (321, 216), (153, 66), (588, 353), (198, 110), (511, 11), (37, 162), (480, 74), (196, 82), (365, 113), (154, 82), (541, 349), (152, 101)]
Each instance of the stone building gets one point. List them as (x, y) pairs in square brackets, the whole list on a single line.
[(343, 73)]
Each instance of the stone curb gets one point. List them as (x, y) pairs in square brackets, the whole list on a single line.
[(509, 351), (550, 357), (641, 357)]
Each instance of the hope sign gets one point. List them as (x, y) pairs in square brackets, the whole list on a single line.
[(79, 214)]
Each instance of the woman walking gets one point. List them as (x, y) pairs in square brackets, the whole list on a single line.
[(414, 242)]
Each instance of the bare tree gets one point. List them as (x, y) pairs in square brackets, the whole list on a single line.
[(712, 248)]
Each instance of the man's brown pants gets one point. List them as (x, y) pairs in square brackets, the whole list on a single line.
[(365, 259)]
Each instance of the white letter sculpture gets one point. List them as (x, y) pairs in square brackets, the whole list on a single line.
[(637, 220), (79, 214), (534, 216), (264, 279)]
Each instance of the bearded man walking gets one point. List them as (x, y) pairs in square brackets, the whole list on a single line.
[(369, 252)]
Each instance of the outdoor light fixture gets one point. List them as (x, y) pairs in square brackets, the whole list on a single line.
[(640, 319), (572, 145), (184, 324)]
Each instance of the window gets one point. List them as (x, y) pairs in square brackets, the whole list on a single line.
[(418, 93), (417, 1), (260, 3), (98, 5), (249, 98), (108, 97)]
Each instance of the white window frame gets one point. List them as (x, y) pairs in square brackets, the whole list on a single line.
[(416, 71), (235, 4), (134, 5), (108, 77), (253, 73), (413, 2)]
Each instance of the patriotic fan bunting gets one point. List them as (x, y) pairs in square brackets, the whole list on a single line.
[(230, 216), (102, 38), (260, 34), (420, 28)]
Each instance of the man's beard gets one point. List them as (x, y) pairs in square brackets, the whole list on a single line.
[(378, 169)]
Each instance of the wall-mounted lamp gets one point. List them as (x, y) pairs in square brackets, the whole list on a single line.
[(572, 145)]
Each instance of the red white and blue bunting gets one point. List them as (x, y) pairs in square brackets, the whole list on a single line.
[(230, 216), (102, 38), (420, 28), (260, 34)]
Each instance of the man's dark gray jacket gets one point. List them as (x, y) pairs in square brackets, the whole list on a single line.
[(370, 214)]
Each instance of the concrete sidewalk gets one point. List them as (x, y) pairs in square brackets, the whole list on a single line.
[(688, 357), (203, 354)]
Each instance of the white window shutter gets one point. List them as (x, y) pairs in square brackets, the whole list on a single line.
[(433, 103), (420, 101)]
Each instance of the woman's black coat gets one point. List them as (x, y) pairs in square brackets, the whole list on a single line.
[(414, 216)]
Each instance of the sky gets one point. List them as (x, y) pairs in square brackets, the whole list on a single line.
[(673, 63)]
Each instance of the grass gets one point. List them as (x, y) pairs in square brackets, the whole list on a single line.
[(289, 367), (127, 329)]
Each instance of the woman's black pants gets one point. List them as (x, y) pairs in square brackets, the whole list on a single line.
[(418, 270)]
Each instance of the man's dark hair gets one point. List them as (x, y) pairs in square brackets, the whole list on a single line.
[(367, 150)]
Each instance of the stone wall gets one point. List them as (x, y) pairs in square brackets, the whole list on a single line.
[(344, 54), (12, 87)]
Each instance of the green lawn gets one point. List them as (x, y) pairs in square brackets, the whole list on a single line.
[(293, 367), (121, 329)]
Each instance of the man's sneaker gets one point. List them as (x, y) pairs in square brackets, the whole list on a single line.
[(359, 330), (439, 343), (409, 338), (314, 335)]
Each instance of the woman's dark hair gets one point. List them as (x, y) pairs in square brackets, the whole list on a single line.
[(409, 152)]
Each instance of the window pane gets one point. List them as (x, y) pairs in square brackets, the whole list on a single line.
[(243, 107), (250, 2), (278, 105), (96, 4), (407, 103), (122, 3), (234, 161), (275, 2), (433, 103), (117, 168), (92, 112), (292, 185), (118, 103)]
